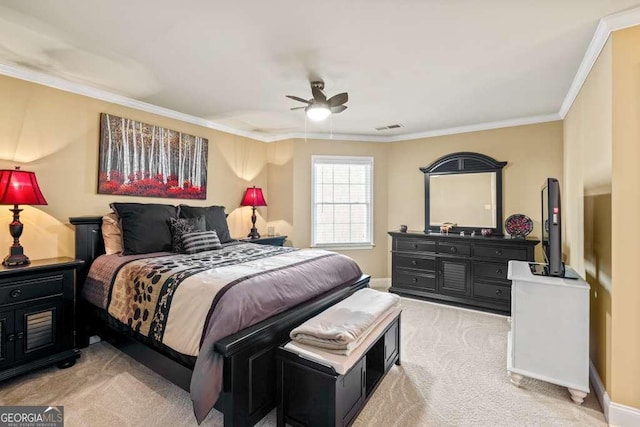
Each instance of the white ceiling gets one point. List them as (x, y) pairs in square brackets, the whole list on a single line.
[(428, 65)]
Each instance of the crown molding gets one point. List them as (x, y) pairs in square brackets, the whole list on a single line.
[(44, 79), (521, 121), (608, 24), (33, 76)]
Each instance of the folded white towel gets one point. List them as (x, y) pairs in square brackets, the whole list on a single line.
[(341, 328)]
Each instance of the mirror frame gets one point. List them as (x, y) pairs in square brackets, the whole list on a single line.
[(459, 163)]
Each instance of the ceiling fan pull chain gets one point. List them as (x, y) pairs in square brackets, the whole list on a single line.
[(331, 126)]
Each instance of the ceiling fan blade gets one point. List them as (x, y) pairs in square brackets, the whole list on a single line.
[(338, 109), (318, 94), (338, 99), (296, 98), (297, 108)]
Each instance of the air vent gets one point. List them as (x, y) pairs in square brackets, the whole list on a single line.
[(395, 126)]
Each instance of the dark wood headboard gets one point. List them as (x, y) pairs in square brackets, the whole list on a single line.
[(89, 243)]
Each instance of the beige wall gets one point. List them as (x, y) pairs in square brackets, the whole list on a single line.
[(55, 134), (587, 201), (290, 174), (533, 153), (602, 204), (625, 202)]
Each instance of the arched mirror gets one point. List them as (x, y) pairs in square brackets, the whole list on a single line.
[(463, 189)]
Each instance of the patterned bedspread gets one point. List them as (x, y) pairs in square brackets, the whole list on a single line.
[(189, 302)]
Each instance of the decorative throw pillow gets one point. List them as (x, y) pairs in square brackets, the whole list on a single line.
[(145, 227), (180, 226), (214, 216), (200, 241), (111, 234)]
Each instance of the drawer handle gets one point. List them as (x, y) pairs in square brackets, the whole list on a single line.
[(414, 246), (499, 271), (19, 335), (15, 293), (454, 249), (414, 262), (498, 252), (499, 292), (11, 337), (414, 280)]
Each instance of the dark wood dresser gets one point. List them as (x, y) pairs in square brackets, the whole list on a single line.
[(463, 270)]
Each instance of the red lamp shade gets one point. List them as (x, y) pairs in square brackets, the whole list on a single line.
[(253, 197), (19, 188)]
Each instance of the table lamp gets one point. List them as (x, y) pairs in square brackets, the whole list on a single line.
[(18, 187), (253, 197)]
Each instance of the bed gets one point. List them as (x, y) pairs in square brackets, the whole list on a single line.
[(247, 356)]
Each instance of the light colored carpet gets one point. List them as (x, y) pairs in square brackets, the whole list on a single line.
[(453, 373)]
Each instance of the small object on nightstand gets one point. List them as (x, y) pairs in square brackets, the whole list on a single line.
[(403, 228), (37, 305), (269, 240), (473, 233)]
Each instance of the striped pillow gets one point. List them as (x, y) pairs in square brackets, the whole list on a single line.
[(200, 241)]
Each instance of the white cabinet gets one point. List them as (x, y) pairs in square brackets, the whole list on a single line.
[(549, 336)]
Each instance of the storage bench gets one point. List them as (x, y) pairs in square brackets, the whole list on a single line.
[(318, 388)]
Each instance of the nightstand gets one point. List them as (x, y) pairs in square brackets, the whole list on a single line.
[(37, 304), (268, 240)]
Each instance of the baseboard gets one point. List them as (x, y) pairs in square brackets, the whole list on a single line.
[(616, 414), (380, 283)]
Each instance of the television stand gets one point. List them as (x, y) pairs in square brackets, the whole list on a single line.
[(549, 336)]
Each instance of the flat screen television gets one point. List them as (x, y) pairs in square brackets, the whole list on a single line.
[(551, 231)]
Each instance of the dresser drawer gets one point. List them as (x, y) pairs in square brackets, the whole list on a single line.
[(500, 252), (412, 279), (490, 270), (415, 262), (488, 290), (24, 290), (454, 249), (415, 245)]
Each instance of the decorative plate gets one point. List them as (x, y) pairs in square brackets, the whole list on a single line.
[(518, 225)]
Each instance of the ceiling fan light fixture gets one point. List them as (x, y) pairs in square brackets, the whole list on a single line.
[(317, 112)]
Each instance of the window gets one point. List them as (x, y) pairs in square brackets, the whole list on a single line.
[(342, 201)]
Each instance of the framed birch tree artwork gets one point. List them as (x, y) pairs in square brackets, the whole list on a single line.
[(138, 159)]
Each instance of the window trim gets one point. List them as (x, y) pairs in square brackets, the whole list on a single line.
[(337, 159)]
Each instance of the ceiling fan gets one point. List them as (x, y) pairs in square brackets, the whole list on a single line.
[(319, 107)]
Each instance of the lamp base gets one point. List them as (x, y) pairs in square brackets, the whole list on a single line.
[(254, 234), (16, 259), (16, 255)]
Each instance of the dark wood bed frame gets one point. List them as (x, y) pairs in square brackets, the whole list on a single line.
[(249, 373)]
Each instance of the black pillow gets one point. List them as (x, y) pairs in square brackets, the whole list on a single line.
[(181, 226), (145, 227), (214, 217)]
